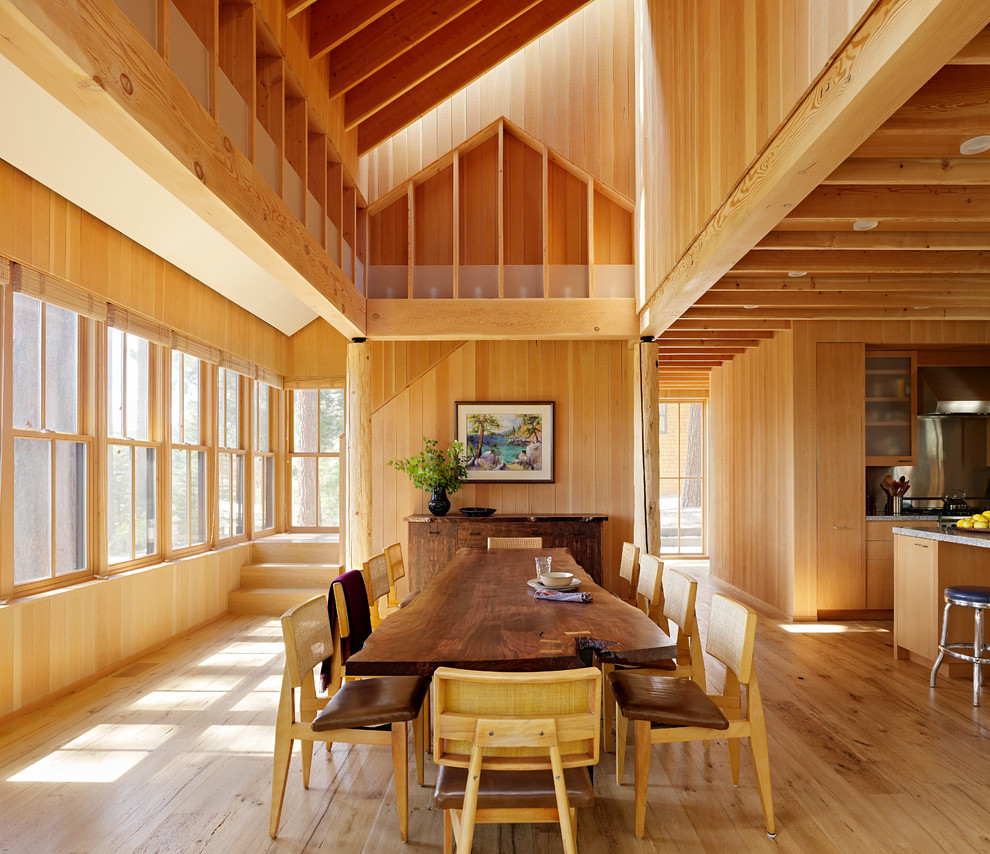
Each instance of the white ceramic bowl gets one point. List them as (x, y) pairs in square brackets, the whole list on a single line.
[(557, 579)]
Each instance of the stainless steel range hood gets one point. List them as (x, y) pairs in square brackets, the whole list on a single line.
[(955, 390)]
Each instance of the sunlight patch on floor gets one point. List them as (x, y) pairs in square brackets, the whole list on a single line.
[(829, 628)]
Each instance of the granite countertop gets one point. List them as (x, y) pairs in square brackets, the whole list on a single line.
[(947, 535), (907, 517)]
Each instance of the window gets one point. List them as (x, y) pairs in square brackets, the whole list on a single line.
[(317, 423), (264, 459), (230, 453), (50, 449), (682, 479), (188, 453), (132, 456)]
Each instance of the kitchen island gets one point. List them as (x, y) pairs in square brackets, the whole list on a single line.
[(926, 561)]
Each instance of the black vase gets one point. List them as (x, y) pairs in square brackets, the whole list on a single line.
[(439, 504)]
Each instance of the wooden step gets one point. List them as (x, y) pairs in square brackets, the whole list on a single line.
[(282, 550), (289, 575), (273, 601)]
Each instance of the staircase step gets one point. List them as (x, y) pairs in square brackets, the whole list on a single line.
[(285, 551), (270, 600), (289, 575)]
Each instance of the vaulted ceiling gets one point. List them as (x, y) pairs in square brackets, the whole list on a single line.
[(923, 253), (394, 60)]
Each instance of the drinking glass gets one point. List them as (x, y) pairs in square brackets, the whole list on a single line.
[(542, 565)]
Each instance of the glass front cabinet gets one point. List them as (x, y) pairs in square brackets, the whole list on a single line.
[(890, 423)]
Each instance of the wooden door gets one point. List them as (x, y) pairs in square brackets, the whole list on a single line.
[(840, 478)]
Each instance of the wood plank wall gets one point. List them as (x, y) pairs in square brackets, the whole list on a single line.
[(57, 641), (573, 89), (752, 479), (591, 384), (763, 452), (710, 106), (43, 230)]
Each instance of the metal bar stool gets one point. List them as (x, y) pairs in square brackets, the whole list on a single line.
[(977, 598)]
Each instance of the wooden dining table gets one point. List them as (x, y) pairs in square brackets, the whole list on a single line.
[(479, 613)]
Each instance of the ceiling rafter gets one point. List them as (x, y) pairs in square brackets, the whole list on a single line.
[(464, 70), (861, 240), (396, 78), (388, 37), (853, 262), (332, 22)]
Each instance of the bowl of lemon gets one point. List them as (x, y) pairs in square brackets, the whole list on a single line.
[(976, 522)]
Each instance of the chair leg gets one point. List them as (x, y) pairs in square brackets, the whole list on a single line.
[(563, 806), (761, 762), (465, 834), (448, 833), (419, 727), (621, 735), (307, 760), (733, 746), (977, 653), (400, 770), (641, 733), (608, 705), (280, 775), (941, 644)]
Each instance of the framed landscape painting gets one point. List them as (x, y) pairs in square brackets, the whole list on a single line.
[(507, 442)]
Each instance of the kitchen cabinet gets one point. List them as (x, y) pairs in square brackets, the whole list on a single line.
[(840, 480), (923, 568), (890, 431), (880, 562), (434, 540)]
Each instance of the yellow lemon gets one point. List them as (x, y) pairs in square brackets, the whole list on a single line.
[(983, 524), (965, 523)]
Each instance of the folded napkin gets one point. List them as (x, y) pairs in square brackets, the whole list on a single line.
[(562, 597)]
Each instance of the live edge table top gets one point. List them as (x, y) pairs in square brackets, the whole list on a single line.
[(479, 613)]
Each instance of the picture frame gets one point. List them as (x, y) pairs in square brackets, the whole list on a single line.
[(517, 440)]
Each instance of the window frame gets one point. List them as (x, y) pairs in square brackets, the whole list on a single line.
[(291, 454), (241, 451), (189, 448)]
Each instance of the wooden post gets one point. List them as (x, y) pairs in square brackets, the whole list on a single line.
[(358, 512), (646, 448)]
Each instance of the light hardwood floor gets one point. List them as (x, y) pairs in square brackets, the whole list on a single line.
[(173, 754)]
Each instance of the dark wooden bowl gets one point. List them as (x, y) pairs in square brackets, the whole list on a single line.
[(477, 512)]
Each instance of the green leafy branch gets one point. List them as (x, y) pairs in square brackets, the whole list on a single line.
[(433, 469)]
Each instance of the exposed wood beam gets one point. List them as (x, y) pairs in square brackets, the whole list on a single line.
[(845, 299), (689, 335), (752, 323), (894, 51), (840, 313), (687, 363), (378, 90), (876, 239), (956, 99), (125, 92), (846, 204), (678, 345), (977, 52), (294, 7), (877, 262), (463, 70), (887, 284), (541, 319), (400, 30), (332, 22), (961, 171), (900, 143), (721, 353)]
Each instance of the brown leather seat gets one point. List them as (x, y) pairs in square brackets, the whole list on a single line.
[(371, 702), (500, 790), (665, 701)]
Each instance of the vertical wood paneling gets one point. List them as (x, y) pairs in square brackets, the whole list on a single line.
[(737, 71), (52, 643), (572, 89), (590, 383)]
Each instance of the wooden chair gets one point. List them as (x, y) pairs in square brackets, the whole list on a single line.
[(679, 594), (649, 599), (515, 542), (396, 570), (376, 580), (390, 702), (629, 569), (684, 712), (514, 747)]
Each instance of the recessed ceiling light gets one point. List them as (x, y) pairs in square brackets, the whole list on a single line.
[(920, 307), (865, 224), (975, 145), (750, 307), (796, 275)]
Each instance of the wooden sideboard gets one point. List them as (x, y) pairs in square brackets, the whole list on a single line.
[(434, 540)]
